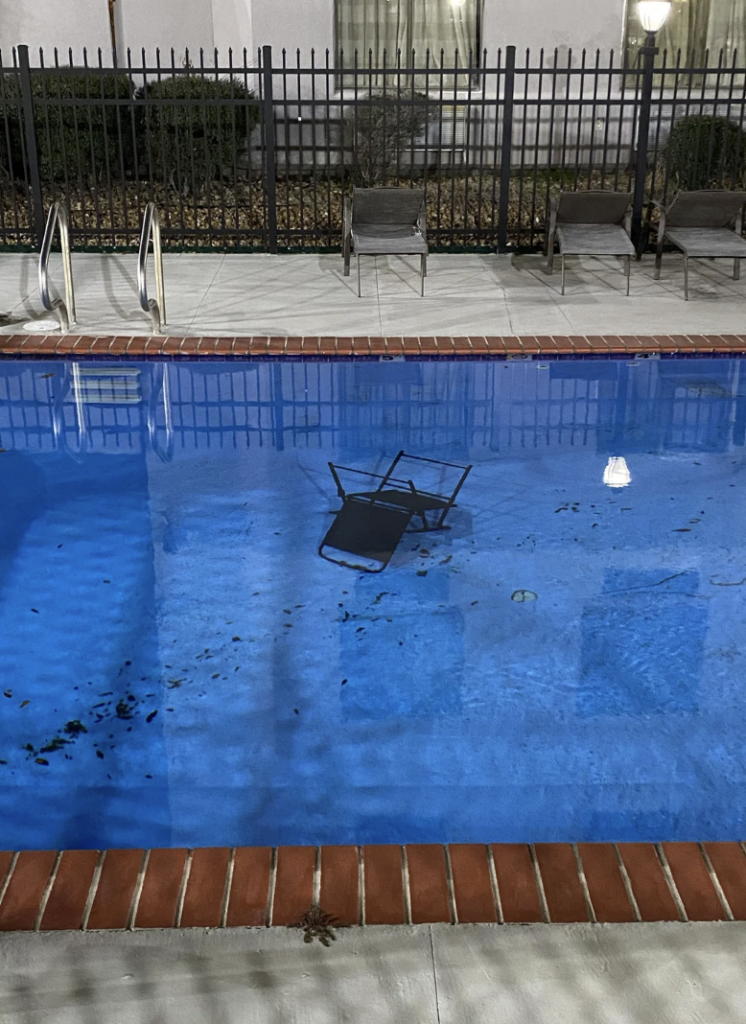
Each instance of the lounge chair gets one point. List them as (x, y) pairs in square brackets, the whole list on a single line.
[(703, 225), (371, 523), (385, 222), (590, 224)]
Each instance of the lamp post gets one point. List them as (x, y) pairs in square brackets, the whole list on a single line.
[(652, 15)]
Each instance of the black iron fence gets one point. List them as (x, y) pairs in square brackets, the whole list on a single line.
[(258, 155)]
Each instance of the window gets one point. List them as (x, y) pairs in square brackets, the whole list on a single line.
[(694, 26), (377, 27)]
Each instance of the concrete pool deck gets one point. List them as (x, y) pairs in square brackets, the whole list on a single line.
[(428, 974), (477, 294)]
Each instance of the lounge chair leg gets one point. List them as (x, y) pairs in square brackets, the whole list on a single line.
[(627, 268), (346, 257), (736, 269), (686, 278), (658, 261), (423, 273), (563, 273), (357, 257)]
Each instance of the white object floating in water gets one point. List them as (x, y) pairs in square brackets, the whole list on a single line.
[(41, 326), (616, 473), (523, 595)]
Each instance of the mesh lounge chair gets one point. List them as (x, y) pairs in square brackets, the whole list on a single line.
[(705, 224), (371, 523), (590, 224), (385, 222)]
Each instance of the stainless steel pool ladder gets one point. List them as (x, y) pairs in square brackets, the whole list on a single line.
[(151, 228), (65, 310)]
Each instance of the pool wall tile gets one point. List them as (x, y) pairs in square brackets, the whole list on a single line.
[(28, 883), (472, 887), (516, 883), (294, 883), (418, 884), (69, 895), (693, 882), (161, 889), (205, 890), (315, 348), (6, 859), (648, 882), (340, 883), (384, 885), (729, 863), (116, 887), (562, 889), (249, 892), (428, 883), (605, 884)]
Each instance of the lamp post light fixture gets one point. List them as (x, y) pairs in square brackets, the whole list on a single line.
[(652, 15)]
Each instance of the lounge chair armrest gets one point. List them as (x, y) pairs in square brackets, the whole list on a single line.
[(662, 222), (422, 225), (552, 230), (347, 216)]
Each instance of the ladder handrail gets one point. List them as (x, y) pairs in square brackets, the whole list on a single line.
[(64, 309), (165, 392), (151, 228)]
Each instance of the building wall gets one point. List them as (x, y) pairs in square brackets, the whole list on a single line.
[(50, 23), (289, 24)]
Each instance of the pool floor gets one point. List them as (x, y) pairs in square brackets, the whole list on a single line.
[(181, 668)]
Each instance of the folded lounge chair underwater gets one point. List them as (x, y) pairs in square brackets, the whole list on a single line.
[(370, 524)]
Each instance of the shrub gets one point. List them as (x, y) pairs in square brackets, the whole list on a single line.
[(703, 149), (379, 133), (188, 142), (77, 135)]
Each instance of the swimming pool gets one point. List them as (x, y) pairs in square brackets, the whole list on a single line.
[(178, 666)]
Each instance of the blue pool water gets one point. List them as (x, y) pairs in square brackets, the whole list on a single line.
[(178, 666)]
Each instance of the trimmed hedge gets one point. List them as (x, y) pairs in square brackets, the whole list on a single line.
[(77, 130), (703, 149), (198, 126)]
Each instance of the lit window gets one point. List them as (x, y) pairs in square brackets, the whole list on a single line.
[(380, 29)]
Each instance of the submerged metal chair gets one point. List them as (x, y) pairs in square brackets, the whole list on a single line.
[(590, 224), (385, 222), (371, 523), (703, 225)]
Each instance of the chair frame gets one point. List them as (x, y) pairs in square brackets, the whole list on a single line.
[(420, 510), (663, 212), (348, 243), (554, 203)]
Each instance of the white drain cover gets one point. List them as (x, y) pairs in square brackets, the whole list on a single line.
[(41, 326)]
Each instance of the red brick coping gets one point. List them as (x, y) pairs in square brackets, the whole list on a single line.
[(220, 887), (499, 347)]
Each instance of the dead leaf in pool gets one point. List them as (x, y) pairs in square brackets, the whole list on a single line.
[(42, 760), (24, 703)]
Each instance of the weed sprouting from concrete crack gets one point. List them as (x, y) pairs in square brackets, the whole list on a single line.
[(316, 923)]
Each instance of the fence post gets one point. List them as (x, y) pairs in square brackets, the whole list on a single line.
[(27, 104), (648, 52), (506, 150), (270, 165)]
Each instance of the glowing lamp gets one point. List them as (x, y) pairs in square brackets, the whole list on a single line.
[(652, 13)]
